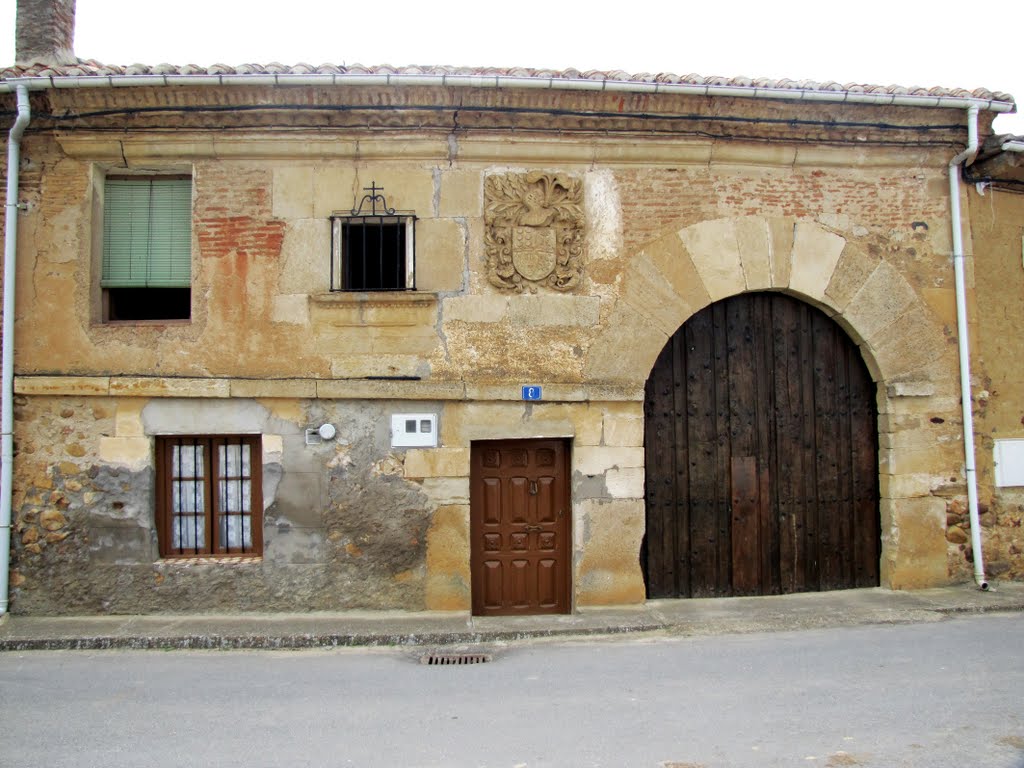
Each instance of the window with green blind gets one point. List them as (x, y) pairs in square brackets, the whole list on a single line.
[(147, 248), (147, 233)]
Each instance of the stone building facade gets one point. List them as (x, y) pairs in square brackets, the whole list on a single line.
[(562, 236)]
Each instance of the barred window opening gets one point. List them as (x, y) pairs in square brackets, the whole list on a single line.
[(373, 253)]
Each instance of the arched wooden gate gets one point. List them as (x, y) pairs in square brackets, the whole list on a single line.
[(761, 454)]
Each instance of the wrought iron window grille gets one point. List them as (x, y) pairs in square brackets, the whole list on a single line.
[(373, 250)]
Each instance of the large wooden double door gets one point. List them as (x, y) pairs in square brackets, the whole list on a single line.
[(519, 527), (761, 455)]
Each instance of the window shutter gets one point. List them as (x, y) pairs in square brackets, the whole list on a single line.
[(147, 233)]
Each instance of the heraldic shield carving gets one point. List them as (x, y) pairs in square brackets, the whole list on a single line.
[(533, 231)]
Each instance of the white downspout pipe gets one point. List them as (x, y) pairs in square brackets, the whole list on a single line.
[(7, 395), (966, 156)]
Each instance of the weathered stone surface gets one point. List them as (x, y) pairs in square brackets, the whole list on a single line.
[(916, 556), (956, 535), (406, 187), (626, 349), (603, 211), (293, 192), (133, 452), (52, 520), (608, 572), (554, 309), (290, 309), (335, 186), (884, 297), (235, 416), (446, 490), (753, 240), (379, 366), (61, 385), (448, 575), (487, 421), (908, 344), (647, 293), (304, 256), (782, 233), (816, 252), (461, 193), (712, 246), (475, 309), (128, 421), (290, 388), (911, 388), (625, 482), (436, 462), (131, 386), (624, 429), (595, 460), (440, 255), (670, 257), (852, 271)]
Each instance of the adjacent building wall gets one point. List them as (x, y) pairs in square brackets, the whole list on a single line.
[(997, 231)]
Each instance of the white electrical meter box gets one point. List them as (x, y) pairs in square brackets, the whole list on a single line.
[(1009, 456), (414, 430)]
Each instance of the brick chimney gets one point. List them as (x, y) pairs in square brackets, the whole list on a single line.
[(45, 32)]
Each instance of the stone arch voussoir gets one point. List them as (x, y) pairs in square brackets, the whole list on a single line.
[(683, 271)]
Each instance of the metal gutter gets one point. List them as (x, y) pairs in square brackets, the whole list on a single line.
[(510, 81)]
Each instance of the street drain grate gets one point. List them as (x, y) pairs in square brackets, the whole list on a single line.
[(444, 659)]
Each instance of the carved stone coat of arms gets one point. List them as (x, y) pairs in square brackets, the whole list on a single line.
[(533, 231)]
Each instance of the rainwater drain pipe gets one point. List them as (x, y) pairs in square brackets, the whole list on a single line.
[(967, 156), (7, 394)]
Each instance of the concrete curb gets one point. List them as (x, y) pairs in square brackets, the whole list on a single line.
[(305, 641), (679, 618)]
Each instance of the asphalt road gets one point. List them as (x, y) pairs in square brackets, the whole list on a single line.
[(948, 693)]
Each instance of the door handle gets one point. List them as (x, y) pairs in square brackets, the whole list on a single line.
[(533, 528)]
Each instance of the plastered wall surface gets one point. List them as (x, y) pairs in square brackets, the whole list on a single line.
[(998, 235), (667, 228)]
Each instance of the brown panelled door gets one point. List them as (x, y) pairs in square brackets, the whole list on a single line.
[(761, 455), (519, 527)]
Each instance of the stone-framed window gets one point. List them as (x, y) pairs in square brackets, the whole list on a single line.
[(373, 253), (209, 495), (146, 269)]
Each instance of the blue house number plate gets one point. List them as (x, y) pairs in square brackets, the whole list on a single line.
[(531, 393)]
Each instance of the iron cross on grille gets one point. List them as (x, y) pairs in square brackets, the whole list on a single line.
[(376, 193)]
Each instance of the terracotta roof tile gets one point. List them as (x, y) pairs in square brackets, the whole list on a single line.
[(90, 68)]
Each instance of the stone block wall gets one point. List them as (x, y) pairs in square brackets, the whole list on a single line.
[(348, 523), (668, 226)]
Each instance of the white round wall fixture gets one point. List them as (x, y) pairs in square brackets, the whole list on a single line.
[(327, 431)]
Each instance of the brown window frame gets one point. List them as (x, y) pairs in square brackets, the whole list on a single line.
[(212, 513), (374, 252)]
